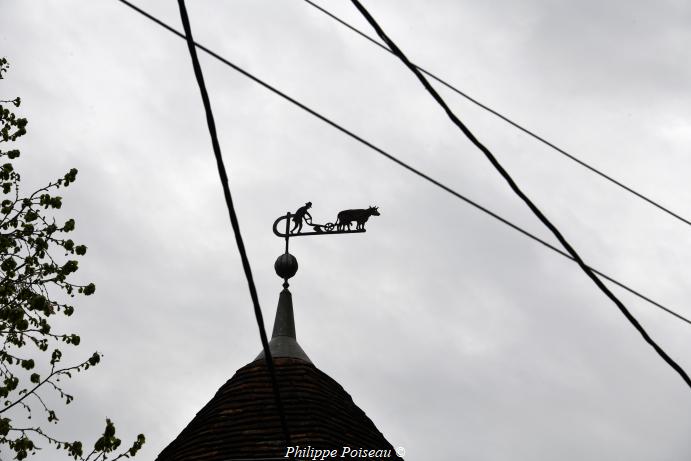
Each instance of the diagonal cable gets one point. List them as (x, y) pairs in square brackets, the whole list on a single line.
[(233, 217), (516, 125), (512, 184), (400, 162)]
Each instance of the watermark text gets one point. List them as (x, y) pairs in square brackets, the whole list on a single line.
[(322, 454)]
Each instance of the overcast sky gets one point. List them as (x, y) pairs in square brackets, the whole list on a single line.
[(460, 338)]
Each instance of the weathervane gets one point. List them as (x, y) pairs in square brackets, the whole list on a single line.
[(286, 265), (344, 221)]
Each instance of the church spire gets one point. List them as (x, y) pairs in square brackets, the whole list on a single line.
[(283, 340)]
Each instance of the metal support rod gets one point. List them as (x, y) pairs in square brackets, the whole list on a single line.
[(287, 230)]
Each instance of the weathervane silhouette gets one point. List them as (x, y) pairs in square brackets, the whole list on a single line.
[(286, 265), (342, 225)]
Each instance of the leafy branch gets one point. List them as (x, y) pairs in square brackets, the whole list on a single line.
[(33, 281)]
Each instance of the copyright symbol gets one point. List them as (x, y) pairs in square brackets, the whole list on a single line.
[(400, 451)]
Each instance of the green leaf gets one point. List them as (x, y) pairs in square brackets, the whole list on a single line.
[(94, 359), (70, 267), (89, 289), (75, 449), (5, 425), (55, 356)]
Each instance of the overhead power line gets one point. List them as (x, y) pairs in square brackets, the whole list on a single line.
[(517, 190), (510, 121), (401, 163), (233, 217)]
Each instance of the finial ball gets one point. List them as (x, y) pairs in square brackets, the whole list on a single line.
[(286, 266)]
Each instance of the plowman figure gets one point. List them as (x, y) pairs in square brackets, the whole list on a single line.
[(299, 216)]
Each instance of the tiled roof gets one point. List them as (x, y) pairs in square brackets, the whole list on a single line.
[(241, 420)]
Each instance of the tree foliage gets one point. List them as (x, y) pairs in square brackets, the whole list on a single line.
[(33, 281)]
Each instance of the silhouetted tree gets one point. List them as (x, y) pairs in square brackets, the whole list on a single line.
[(32, 280)]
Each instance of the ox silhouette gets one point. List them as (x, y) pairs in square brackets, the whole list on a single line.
[(346, 217)]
